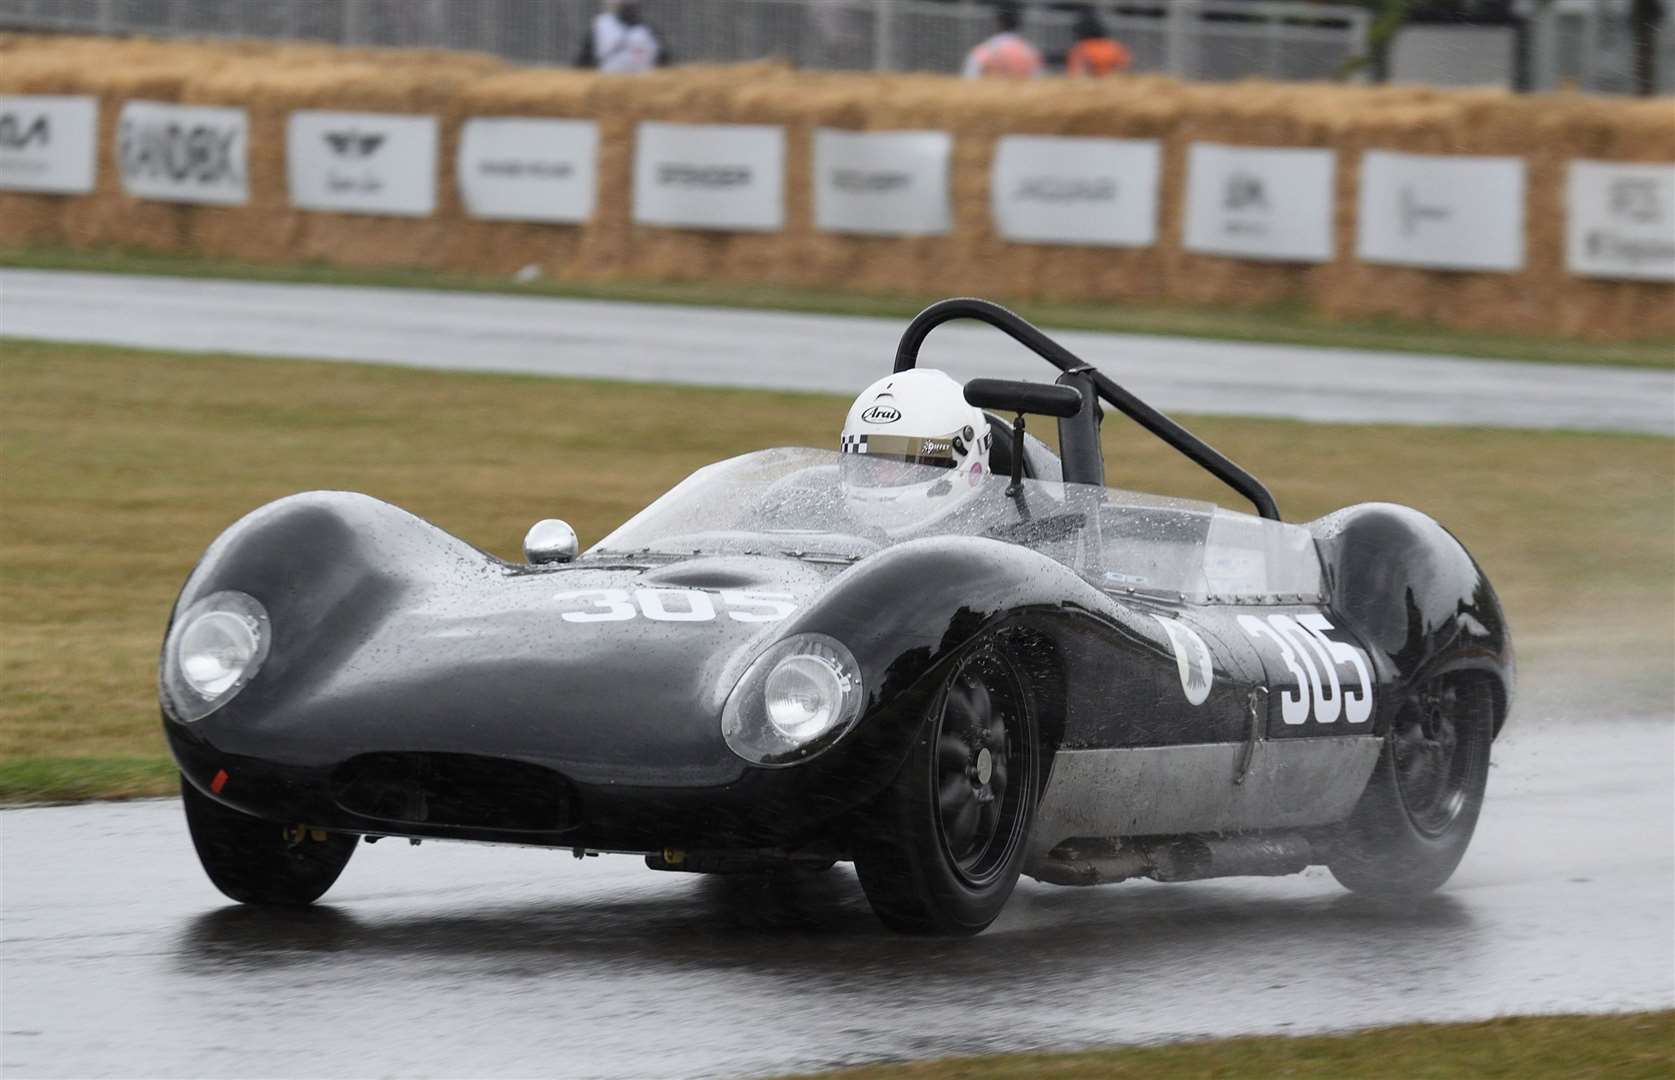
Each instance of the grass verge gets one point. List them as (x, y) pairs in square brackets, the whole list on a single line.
[(120, 466), (1633, 1046), (1281, 324)]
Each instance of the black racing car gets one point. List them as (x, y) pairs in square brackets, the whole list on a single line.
[(1061, 679)]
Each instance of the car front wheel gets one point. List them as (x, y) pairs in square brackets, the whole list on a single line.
[(941, 850), (262, 862)]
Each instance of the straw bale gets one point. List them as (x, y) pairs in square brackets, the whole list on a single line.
[(272, 79)]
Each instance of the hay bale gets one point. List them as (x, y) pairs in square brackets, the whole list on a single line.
[(272, 79)]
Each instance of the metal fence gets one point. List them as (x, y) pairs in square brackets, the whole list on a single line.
[(1589, 45), (1212, 39)]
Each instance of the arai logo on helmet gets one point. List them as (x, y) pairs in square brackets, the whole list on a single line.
[(881, 414)]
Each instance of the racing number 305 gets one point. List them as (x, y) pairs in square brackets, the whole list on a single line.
[(673, 605), (1313, 660)]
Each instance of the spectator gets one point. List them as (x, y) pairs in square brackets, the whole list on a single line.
[(1006, 54), (1095, 53), (619, 41)]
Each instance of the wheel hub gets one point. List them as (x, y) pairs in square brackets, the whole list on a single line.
[(978, 758), (1430, 763)]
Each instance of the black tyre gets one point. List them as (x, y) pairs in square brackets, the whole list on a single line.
[(1419, 811), (940, 851), (261, 862)]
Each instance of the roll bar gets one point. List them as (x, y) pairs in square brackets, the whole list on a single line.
[(1025, 333)]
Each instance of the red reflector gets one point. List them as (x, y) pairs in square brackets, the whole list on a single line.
[(219, 782)]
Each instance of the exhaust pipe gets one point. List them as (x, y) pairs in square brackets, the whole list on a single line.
[(1176, 858)]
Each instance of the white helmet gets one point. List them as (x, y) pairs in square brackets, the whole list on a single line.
[(900, 434)]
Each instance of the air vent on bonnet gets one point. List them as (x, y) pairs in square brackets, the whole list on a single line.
[(717, 572)]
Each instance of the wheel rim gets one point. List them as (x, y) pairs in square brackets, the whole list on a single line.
[(982, 770), (1435, 745)]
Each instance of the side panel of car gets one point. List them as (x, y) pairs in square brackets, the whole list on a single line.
[(1176, 739)]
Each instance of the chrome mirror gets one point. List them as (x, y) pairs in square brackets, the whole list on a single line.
[(549, 541)]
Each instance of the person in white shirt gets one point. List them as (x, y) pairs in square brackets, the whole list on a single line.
[(619, 42), (1006, 55)]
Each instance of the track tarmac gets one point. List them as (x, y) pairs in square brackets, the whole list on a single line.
[(827, 353), (119, 959)]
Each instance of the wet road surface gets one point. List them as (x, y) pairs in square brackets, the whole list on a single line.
[(119, 959), (837, 354)]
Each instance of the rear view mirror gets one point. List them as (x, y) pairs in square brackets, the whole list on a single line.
[(1016, 396), (1013, 396), (549, 541)]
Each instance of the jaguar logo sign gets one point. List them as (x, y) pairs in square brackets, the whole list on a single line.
[(881, 414)]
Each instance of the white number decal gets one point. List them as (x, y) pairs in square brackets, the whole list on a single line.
[(673, 605), (613, 605), (653, 602), (1328, 696), (1358, 707), (770, 606), (1313, 659), (1294, 704)]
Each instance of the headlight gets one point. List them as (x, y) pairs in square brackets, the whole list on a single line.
[(795, 700), (214, 648)]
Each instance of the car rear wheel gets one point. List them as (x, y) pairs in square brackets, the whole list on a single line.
[(1417, 816), (941, 850), (261, 862)]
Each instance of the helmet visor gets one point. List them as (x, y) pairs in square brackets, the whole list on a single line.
[(884, 461)]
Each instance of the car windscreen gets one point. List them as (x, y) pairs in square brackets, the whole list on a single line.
[(822, 504)]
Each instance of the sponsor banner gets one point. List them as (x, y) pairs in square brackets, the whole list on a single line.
[(518, 169), (183, 153), (362, 163), (1446, 211), (48, 143), (710, 176), (1260, 202), (1620, 220), (1076, 190), (890, 183)]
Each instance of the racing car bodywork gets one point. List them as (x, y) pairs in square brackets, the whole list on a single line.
[(1064, 680)]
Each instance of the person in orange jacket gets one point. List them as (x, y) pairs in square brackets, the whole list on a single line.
[(1095, 53)]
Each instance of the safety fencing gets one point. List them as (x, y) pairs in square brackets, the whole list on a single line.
[(1474, 209), (1201, 39)]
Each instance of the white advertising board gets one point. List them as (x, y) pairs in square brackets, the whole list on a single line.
[(518, 169), (183, 153), (48, 143), (889, 183), (1620, 220), (1446, 211), (1264, 203), (710, 176), (362, 163), (1051, 189)]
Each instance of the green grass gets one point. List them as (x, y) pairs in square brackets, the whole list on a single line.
[(1634, 1046), (118, 467), (1280, 324), (61, 778)]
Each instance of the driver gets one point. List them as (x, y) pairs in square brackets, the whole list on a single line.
[(914, 452)]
